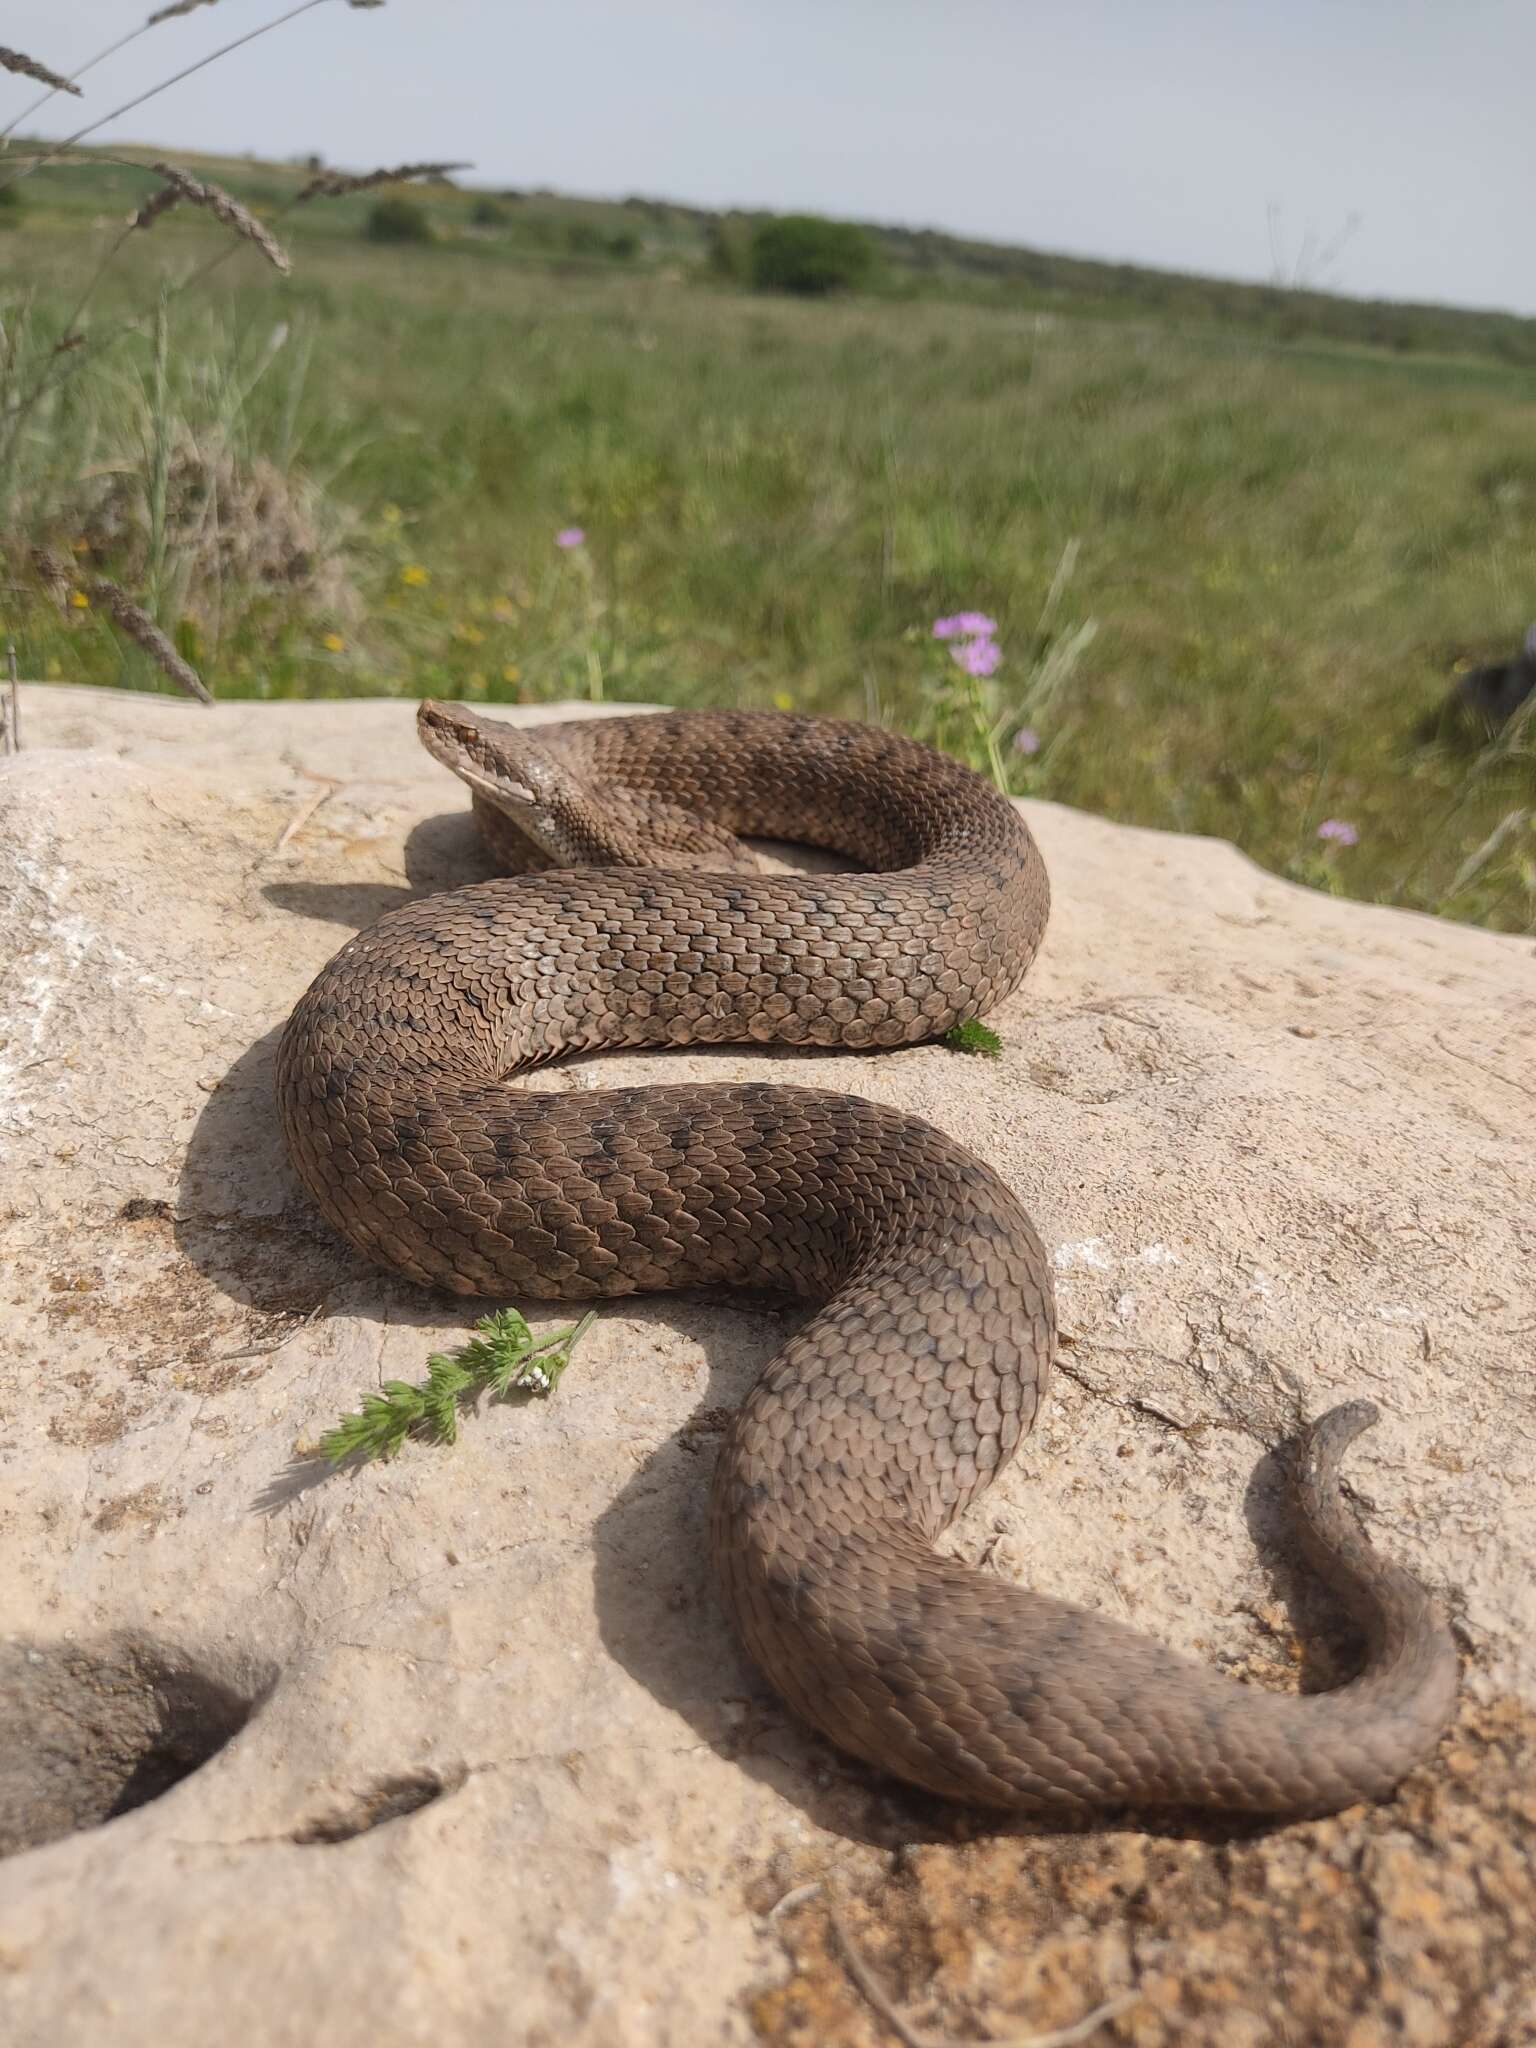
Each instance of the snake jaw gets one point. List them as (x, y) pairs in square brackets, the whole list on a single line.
[(515, 798)]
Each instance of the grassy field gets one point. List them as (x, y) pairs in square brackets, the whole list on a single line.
[(1231, 575)]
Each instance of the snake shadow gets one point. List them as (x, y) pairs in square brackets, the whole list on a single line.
[(445, 852)]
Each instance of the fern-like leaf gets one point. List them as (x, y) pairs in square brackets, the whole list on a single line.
[(503, 1356)]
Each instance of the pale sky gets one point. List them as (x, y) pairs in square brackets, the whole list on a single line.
[(1164, 132)]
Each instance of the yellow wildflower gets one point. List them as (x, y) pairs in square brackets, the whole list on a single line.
[(79, 600), (466, 632), (332, 643), (782, 701), (511, 673), (414, 574), (503, 608), (390, 514)]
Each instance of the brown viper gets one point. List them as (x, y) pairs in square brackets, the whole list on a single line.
[(909, 1389)]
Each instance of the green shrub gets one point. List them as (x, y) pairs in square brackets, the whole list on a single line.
[(489, 213), (586, 238), (399, 220), (728, 247), (801, 253), (10, 206)]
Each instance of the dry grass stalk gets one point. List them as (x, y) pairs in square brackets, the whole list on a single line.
[(28, 67), (333, 184), (182, 7), (10, 715), (219, 203), (918, 2037), (156, 204), (141, 628), (54, 573)]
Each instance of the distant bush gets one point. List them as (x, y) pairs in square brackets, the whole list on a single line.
[(586, 238), (489, 213), (10, 206), (583, 238), (399, 220), (728, 247), (801, 253)]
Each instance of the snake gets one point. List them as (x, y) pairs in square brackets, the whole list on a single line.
[(631, 912)]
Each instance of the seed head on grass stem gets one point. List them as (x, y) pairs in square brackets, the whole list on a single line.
[(181, 7), (131, 619), (158, 202), (53, 153), (336, 184), (198, 192), (28, 67)]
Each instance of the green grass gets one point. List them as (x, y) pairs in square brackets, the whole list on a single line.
[(1283, 550)]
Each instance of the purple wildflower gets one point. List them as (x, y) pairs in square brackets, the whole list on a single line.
[(978, 657), (1337, 829), (569, 537), (1026, 740), (965, 626)]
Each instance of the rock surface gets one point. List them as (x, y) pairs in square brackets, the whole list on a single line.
[(479, 1760)]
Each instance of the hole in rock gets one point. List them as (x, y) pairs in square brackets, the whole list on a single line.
[(389, 1799), (88, 1732)]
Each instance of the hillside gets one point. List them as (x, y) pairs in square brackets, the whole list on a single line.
[(546, 227), (1232, 574)]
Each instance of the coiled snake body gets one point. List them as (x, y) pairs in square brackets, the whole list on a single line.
[(910, 1388)]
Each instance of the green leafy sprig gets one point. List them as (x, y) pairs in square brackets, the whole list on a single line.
[(502, 1358), (976, 1037)]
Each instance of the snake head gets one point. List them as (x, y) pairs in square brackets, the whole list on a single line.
[(497, 761), (507, 769), (564, 820)]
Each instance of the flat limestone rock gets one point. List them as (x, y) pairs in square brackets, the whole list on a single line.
[(461, 1749)]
